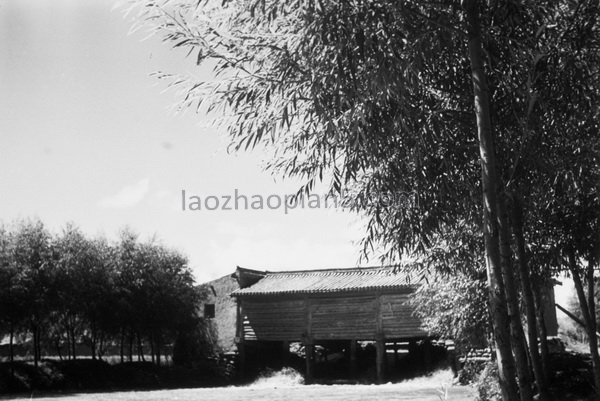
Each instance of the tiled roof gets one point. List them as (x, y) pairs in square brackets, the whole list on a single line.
[(328, 281)]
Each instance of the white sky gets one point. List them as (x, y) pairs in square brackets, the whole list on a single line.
[(87, 136)]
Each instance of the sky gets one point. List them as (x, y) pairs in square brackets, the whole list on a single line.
[(88, 136)]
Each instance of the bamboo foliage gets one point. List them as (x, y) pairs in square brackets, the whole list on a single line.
[(440, 101)]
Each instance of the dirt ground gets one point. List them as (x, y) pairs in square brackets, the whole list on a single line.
[(432, 388)]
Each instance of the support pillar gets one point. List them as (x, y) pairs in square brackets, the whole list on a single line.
[(427, 355), (239, 339), (451, 357), (285, 353), (353, 358), (310, 362), (241, 347), (380, 360)]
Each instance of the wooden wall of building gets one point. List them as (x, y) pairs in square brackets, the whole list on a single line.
[(329, 317), (398, 321), (274, 319), (339, 318)]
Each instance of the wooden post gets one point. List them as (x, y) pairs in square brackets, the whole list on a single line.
[(308, 317), (380, 361), (427, 357), (414, 355), (451, 357), (241, 347), (309, 346), (309, 349), (239, 339), (353, 360), (285, 353)]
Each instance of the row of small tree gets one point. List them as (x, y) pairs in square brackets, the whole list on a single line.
[(61, 291)]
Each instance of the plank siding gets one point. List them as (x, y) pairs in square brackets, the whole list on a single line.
[(333, 317), (283, 320), (339, 318), (397, 317)]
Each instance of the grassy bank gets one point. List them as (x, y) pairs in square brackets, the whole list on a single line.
[(94, 375), (279, 387)]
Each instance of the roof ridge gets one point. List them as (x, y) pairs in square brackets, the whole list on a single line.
[(333, 270)]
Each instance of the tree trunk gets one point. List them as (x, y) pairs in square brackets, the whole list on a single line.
[(152, 348), (544, 349), (506, 366), (586, 309), (131, 346), (93, 340), (37, 341), (140, 348), (58, 351), (73, 343), (100, 351), (11, 351), (512, 299), (68, 331), (532, 332), (93, 347), (36, 356), (157, 352), (122, 345), (592, 302), (68, 347)]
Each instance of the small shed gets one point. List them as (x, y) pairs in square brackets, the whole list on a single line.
[(316, 306)]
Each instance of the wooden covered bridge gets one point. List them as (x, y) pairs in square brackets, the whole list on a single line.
[(316, 307)]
